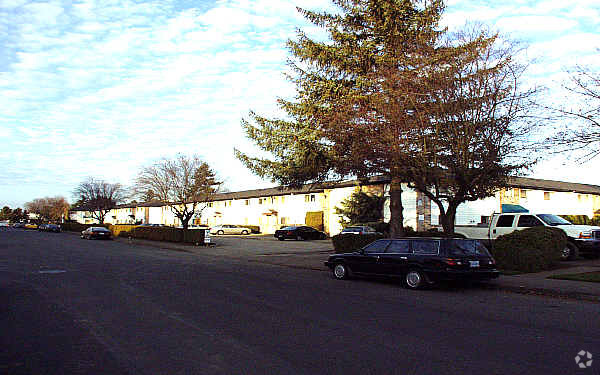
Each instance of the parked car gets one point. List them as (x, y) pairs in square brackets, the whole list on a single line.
[(151, 225), (418, 261), (30, 226), (583, 239), (299, 233), (229, 229), (52, 228), (18, 225), (42, 227), (96, 232), (359, 229)]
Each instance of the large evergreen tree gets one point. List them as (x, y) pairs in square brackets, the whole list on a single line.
[(342, 122), (393, 94)]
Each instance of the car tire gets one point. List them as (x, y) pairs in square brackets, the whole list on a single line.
[(280, 238), (570, 252), (341, 271), (220, 232), (415, 279), (299, 238), (244, 232)]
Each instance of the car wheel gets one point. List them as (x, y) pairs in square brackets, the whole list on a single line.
[(569, 252), (341, 271), (244, 232), (299, 238), (280, 238), (414, 279), (220, 232)]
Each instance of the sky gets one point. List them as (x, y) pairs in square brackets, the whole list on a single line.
[(103, 88)]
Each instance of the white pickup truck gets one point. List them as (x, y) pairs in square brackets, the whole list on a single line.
[(583, 239)]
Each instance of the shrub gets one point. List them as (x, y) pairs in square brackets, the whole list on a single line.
[(529, 250), (346, 243), (361, 207), (164, 234)]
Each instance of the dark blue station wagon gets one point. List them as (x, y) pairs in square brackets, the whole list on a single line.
[(419, 261)]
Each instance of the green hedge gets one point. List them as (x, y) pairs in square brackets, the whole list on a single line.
[(165, 234), (529, 250), (582, 219), (347, 243)]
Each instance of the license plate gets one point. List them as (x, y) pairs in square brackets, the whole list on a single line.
[(474, 263)]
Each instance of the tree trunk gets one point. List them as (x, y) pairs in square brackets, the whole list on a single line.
[(185, 222), (396, 209), (447, 219)]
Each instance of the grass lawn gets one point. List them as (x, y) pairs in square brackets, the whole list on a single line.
[(593, 277)]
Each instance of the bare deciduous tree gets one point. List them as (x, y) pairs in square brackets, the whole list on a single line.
[(184, 183), (99, 197), (49, 208), (581, 132)]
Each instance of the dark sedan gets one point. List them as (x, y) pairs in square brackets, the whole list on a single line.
[(96, 232), (52, 228), (418, 261), (299, 233)]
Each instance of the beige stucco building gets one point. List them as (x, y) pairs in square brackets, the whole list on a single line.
[(275, 207)]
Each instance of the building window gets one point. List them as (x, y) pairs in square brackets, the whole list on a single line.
[(523, 193), (210, 204), (260, 200), (282, 199), (247, 202), (546, 195), (309, 198), (283, 220)]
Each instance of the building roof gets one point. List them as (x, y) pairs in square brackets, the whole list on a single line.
[(514, 182), (550, 185)]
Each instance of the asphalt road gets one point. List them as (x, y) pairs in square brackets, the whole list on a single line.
[(69, 306)]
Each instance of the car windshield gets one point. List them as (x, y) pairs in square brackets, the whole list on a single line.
[(99, 230), (553, 220), (467, 247), (288, 228), (350, 229)]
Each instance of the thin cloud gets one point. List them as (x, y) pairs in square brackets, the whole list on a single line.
[(113, 86)]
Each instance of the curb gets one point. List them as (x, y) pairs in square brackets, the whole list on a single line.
[(546, 292)]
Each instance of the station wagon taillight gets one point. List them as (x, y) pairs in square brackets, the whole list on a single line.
[(453, 262)]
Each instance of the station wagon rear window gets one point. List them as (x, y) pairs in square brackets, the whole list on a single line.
[(465, 247)]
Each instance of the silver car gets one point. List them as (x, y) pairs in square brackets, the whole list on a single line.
[(359, 229), (229, 229)]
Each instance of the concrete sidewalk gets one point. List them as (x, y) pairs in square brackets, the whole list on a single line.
[(529, 283)]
